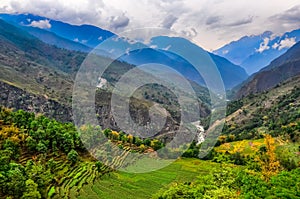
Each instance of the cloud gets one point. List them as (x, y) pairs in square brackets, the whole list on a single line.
[(42, 24), (286, 20), (191, 33), (212, 20), (241, 22), (286, 43), (264, 46), (289, 16), (117, 22), (169, 21), (211, 23), (275, 46), (82, 41), (224, 52)]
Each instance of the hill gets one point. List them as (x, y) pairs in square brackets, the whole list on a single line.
[(275, 111)]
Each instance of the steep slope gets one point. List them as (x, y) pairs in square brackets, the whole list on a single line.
[(281, 69), (30, 64), (231, 74), (38, 77), (275, 111)]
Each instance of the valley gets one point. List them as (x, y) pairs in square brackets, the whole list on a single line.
[(45, 154)]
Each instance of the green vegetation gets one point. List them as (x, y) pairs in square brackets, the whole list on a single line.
[(145, 185), (234, 183), (42, 158), (275, 112), (262, 175)]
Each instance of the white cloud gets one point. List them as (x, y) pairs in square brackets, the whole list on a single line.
[(42, 24), (153, 46), (224, 52), (264, 45), (287, 43), (275, 46)]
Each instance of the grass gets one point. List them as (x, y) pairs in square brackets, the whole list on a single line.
[(144, 185)]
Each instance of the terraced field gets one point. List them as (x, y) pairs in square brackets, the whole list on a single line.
[(128, 185), (73, 180)]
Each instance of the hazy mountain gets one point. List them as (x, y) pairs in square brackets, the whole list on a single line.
[(83, 38), (19, 44), (88, 35), (231, 74), (281, 69), (257, 51), (53, 39)]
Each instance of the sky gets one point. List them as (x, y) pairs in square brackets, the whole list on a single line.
[(209, 23)]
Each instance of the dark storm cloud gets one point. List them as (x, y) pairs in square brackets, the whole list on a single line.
[(169, 21)]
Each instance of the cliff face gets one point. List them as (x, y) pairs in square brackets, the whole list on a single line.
[(16, 98), (13, 97)]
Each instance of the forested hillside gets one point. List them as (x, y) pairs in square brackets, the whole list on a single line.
[(43, 158)]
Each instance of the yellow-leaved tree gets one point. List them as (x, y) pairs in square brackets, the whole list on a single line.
[(269, 164)]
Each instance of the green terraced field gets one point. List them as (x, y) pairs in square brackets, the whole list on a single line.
[(128, 185)]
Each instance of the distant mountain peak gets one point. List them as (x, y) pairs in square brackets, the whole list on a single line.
[(281, 69), (257, 51)]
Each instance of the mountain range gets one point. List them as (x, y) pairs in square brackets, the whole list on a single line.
[(280, 70), (85, 37), (257, 51), (254, 53)]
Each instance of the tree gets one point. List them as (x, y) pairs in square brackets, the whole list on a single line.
[(31, 190), (41, 147), (147, 142), (73, 156), (156, 144), (269, 164), (99, 165)]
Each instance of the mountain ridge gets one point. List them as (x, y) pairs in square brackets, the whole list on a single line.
[(284, 67), (257, 51)]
